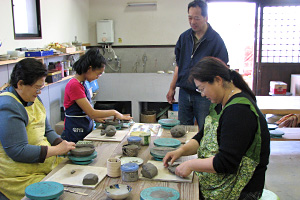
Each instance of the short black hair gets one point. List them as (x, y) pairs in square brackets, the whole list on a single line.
[(200, 3), (91, 58), (29, 70)]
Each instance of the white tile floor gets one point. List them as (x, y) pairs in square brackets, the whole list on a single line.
[(283, 174)]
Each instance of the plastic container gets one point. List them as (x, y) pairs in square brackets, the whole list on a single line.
[(130, 172), (175, 106), (135, 140), (58, 66), (146, 138)]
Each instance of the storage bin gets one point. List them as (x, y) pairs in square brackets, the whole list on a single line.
[(38, 53), (53, 76)]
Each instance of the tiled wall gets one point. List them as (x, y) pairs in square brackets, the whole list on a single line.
[(140, 59)]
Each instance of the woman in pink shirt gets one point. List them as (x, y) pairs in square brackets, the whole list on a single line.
[(79, 113)]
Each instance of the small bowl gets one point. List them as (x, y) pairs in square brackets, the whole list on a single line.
[(118, 191)]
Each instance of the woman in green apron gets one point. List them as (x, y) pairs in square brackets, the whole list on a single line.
[(29, 146), (233, 147)]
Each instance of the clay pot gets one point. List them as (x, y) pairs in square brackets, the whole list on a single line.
[(113, 167), (130, 150)]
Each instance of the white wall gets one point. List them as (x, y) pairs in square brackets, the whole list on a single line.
[(160, 25), (62, 20)]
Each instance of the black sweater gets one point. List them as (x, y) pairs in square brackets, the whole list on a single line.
[(237, 127)]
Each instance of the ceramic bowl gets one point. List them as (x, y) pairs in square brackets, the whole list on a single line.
[(118, 191)]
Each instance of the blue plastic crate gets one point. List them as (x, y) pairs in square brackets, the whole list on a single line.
[(38, 53)]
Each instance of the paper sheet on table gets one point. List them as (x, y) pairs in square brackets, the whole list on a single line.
[(154, 129)]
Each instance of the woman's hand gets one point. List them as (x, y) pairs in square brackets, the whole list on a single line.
[(100, 120), (184, 169), (172, 156), (122, 117), (60, 149), (65, 146)]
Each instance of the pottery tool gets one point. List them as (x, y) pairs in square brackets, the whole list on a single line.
[(156, 193), (184, 139), (44, 190), (72, 191), (167, 142)]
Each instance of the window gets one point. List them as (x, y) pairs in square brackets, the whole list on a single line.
[(281, 34), (26, 18)]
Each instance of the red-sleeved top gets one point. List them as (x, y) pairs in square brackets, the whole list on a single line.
[(74, 90)]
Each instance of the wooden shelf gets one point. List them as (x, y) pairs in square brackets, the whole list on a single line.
[(63, 79), (7, 62)]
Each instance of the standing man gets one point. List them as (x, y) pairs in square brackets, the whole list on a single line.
[(195, 43)]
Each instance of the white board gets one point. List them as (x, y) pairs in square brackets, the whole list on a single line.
[(65, 177), (164, 174), (95, 135)]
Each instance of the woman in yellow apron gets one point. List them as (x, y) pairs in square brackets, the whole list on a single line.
[(29, 146), (234, 145)]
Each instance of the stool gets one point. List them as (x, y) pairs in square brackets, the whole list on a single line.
[(269, 195)]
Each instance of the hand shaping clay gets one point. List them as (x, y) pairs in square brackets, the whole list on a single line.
[(178, 131), (90, 179), (149, 170), (172, 168), (82, 150)]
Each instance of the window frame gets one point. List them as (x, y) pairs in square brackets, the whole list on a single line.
[(22, 36)]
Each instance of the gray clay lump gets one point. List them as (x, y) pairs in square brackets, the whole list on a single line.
[(172, 168), (149, 170), (110, 131), (82, 150), (90, 179), (178, 131)]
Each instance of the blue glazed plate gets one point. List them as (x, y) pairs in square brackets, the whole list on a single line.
[(168, 122), (82, 162), (85, 158), (159, 193), (44, 190), (167, 142)]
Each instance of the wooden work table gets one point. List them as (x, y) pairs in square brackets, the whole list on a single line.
[(280, 105), (107, 150)]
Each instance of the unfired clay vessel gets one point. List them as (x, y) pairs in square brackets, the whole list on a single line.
[(178, 131), (130, 150), (149, 170)]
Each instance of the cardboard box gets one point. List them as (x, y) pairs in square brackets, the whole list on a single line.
[(278, 87), (172, 114), (67, 50)]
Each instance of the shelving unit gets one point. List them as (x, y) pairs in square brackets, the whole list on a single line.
[(53, 93)]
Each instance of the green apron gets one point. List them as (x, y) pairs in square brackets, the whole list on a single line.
[(16, 176), (226, 186)]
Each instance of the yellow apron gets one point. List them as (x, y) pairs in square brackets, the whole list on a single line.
[(16, 176)]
